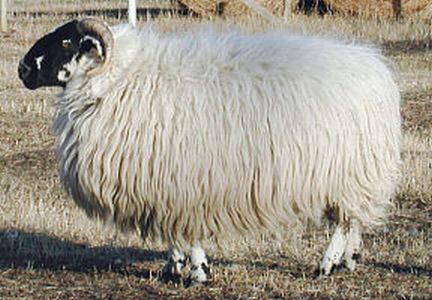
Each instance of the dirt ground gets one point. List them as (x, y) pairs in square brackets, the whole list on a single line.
[(50, 250)]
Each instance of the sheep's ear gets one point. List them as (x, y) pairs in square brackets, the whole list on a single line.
[(96, 42), (92, 48)]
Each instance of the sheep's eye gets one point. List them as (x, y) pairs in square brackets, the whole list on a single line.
[(67, 44)]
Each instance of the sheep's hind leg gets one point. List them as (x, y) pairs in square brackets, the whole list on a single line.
[(333, 255), (353, 245), (200, 270), (344, 248), (171, 272)]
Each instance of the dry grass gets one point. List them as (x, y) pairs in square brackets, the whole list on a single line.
[(379, 8), (375, 9), (50, 250), (232, 8)]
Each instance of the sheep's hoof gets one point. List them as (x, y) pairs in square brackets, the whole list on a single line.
[(198, 276), (328, 270), (329, 265), (351, 262)]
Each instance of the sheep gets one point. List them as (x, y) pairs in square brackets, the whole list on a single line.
[(209, 135)]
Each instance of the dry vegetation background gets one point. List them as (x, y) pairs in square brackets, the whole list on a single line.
[(50, 250)]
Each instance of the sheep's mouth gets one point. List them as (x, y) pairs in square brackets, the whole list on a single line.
[(31, 85), (24, 73)]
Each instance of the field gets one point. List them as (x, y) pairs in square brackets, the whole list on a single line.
[(50, 250)]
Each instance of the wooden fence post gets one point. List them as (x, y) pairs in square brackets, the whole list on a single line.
[(3, 15), (397, 8)]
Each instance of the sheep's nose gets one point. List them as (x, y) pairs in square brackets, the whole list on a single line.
[(23, 70)]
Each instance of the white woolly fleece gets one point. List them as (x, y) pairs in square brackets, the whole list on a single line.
[(207, 135)]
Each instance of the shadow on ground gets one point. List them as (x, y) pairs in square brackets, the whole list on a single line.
[(20, 249), (401, 269), (302, 270)]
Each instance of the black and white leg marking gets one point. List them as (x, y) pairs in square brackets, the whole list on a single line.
[(344, 247), (200, 270), (353, 245), (335, 250), (171, 272)]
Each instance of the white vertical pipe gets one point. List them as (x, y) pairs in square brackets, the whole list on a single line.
[(261, 10), (3, 15), (132, 12)]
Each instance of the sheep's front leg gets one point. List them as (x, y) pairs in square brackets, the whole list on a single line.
[(171, 272), (199, 271)]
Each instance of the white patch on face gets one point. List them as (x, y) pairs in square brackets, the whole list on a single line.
[(66, 72), (62, 76), (38, 61), (66, 43)]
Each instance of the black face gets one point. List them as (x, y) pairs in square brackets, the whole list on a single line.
[(52, 59)]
